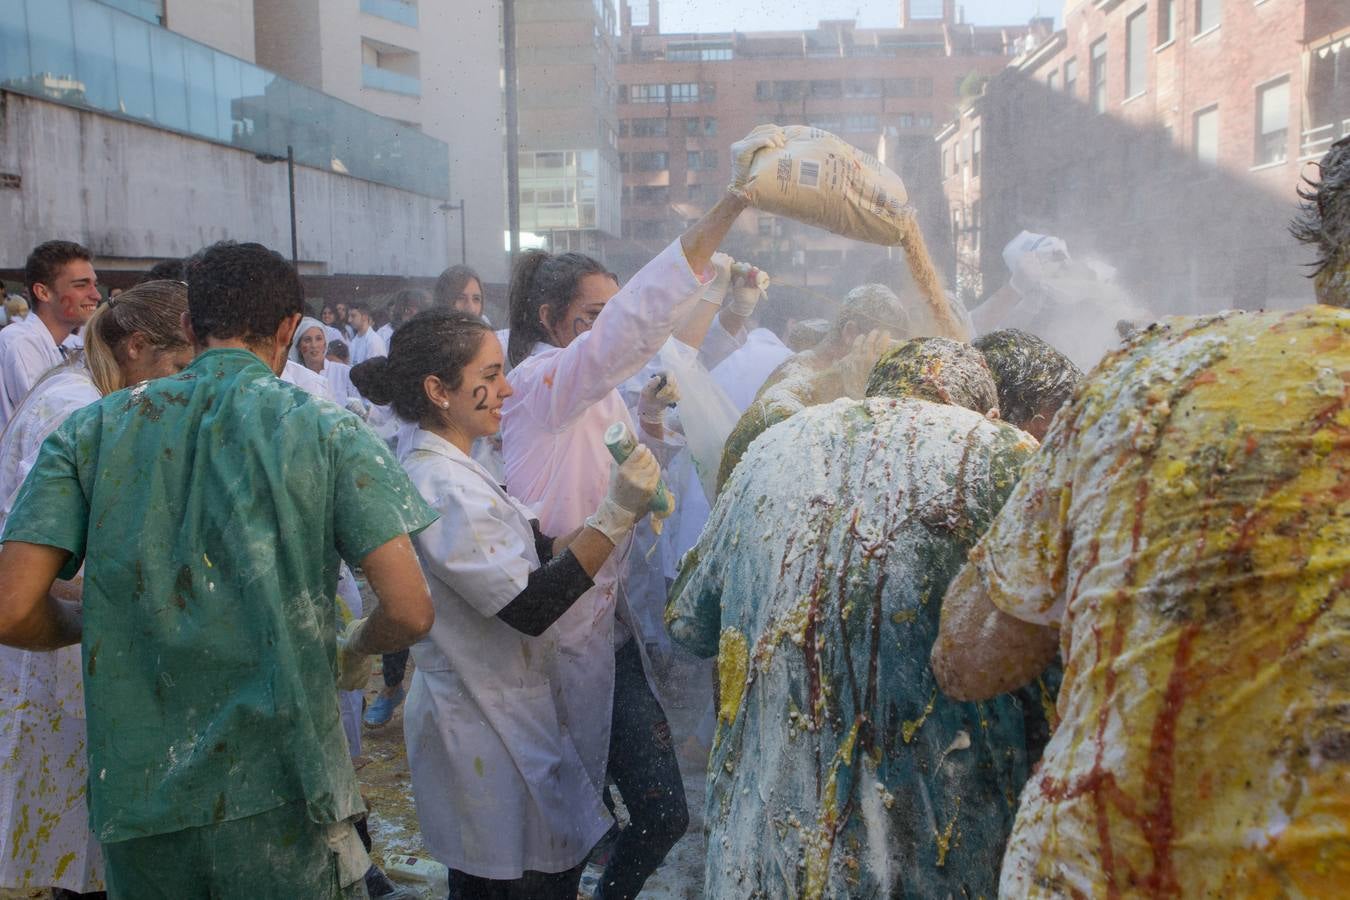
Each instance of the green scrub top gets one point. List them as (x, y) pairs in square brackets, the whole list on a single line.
[(210, 510)]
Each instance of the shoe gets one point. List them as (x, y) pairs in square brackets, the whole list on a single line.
[(379, 886), (382, 710)]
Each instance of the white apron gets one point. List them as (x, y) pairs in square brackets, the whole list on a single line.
[(499, 784), (43, 766)]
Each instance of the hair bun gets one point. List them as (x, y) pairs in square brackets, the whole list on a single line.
[(372, 379)]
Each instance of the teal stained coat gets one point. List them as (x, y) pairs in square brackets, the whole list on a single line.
[(838, 768), (210, 509)]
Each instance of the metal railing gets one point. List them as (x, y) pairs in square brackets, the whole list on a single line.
[(1317, 141), (88, 55)]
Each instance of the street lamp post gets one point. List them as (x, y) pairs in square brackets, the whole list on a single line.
[(463, 229), (289, 160)]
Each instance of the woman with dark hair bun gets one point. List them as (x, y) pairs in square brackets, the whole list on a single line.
[(502, 794)]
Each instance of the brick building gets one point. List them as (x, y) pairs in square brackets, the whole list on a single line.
[(1167, 137), (683, 98)]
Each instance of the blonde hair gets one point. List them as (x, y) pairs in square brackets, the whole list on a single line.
[(154, 309), (16, 306)]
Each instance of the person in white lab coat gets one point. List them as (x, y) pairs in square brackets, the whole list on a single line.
[(744, 372), (502, 795), (366, 342), (63, 289), (309, 348), (575, 336), (135, 337)]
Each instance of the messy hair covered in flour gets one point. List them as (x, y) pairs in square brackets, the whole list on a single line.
[(938, 370)]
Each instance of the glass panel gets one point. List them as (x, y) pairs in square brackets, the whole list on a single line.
[(170, 83), (201, 87), (14, 61), (135, 84), (51, 51), (94, 53)]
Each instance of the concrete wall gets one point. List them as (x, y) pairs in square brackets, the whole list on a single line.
[(224, 24), (133, 193)]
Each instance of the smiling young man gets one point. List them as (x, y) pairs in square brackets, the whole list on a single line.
[(63, 291)]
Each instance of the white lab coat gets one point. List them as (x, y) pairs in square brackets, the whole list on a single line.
[(386, 332), (555, 458), (367, 346), (311, 382), (27, 350), (339, 376), (43, 767), (742, 373), (499, 785)]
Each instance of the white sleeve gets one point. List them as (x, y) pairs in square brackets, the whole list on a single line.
[(719, 344), (377, 346), (474, 549), (22, 365), (627, 333)]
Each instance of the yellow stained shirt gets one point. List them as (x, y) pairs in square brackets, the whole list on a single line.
[(1187, 526)]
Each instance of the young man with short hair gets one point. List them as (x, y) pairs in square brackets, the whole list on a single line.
[(63, 291), (366, 341), (211, 510)]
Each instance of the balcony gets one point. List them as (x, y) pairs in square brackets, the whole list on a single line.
[(391, 81), (1317, 141), (88, 55), (394, 10)]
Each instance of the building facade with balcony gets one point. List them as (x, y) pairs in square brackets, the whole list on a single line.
[(145, 144), (683, 98), (1167, 137)]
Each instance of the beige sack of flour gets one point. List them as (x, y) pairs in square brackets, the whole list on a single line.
[(824, 181)]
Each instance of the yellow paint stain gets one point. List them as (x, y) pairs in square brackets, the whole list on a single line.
[(62, 864), (733, 663), (944, 840), (911, 726), (478, 766)]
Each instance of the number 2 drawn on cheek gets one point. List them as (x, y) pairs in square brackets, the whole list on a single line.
[(480, 394)]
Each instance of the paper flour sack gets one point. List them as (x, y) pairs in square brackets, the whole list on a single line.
[(827, 182)]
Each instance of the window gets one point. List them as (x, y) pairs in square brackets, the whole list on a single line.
[(623, 128), (975, 152), (779, 90), (646, 93), (1272, 122), (1207, 15), (684, 93), (1167, 21), (1071, 77), (651, 194), (1052, 80), (1098, 76), (710, 127), (763, 90), (862, 87), (1206, 135), (694, 162), (710, 159), (946, 162), (861, 123), (906, 120), (650, 162), (1136, 53), (691, 127), (924, 120), (925, 87), (825, 90), (834, 126), (649, 128), (698, 53), (900, 87)]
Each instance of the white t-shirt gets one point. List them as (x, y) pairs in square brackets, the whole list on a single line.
[(367, 346)]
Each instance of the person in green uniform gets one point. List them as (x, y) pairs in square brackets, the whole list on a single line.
[(837, 768), (211, 510)]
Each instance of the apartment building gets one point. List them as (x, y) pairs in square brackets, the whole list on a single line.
[(683, 98), (434, 66), (1167, 137)]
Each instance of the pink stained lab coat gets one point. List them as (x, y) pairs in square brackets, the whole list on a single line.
[(555, 458)]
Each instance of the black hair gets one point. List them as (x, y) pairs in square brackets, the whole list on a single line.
[(168, 270), (1324, 214), (360, 306), (1030, 375), (437, 342), (338, 349), (541, 279), (241, 291), (407, 303), (451, 284), (45, 262)]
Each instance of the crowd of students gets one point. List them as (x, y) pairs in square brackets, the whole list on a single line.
[(913, 603)]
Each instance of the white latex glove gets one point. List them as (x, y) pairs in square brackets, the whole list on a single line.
[(743, 153), (355, 405), (855, 367), (660, 392), (716, 290), (748, 285), (353, 665), (631, 486)]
